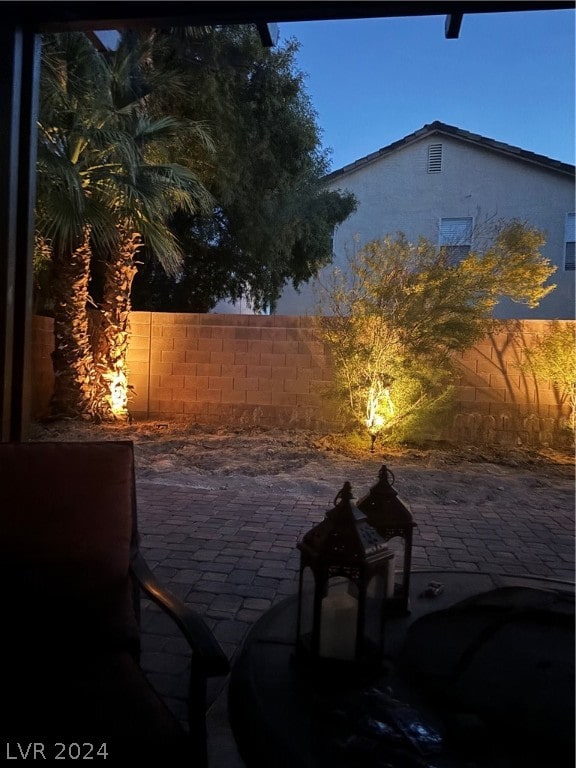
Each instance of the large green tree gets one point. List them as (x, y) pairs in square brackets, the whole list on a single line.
[(272, 219), (394, 319), (105, 187)]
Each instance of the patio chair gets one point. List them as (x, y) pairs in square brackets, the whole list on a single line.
[(72, 575)]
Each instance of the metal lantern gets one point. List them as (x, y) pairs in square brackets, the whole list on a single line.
[(345, 580), (391, 517)]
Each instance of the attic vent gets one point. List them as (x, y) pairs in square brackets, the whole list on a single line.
[(434, 158)]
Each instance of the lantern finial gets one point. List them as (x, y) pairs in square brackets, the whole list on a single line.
[(385, 482), (393, 520), (345, 493)]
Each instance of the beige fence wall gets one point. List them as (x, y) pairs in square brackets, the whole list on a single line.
[(274, 371), (497, 403), (228, 368)]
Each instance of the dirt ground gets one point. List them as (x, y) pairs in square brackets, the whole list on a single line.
[(283, 462)]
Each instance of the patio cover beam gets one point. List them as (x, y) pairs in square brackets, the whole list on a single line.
[(108, 14), (452, 26)]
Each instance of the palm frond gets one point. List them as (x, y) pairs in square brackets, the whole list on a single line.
[(153, 131), (102, 160), (161, 243), (59, 221)]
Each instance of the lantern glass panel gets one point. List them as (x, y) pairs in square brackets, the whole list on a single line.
[(339, 620), (373, 615), (307, 603), (380, 588), (398, 547), (381, 585)]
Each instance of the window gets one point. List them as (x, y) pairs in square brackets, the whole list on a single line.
[(456, 237), (434, 158), (569, 259)]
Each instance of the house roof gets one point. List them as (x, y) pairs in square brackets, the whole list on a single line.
[(441, 129)]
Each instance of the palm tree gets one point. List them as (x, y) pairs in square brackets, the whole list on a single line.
[(106, 187)]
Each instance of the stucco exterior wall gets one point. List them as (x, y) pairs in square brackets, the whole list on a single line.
[(396, 193), (275, 371)]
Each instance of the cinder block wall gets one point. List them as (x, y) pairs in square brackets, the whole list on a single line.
[(218, 369), (497, 403), (274, 371)]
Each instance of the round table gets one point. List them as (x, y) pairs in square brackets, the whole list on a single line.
[(286, 715)]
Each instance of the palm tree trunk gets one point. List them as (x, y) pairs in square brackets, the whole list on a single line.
[(72, 358), (113, 335)]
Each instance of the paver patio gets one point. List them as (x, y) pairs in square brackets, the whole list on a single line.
[(232, 555)]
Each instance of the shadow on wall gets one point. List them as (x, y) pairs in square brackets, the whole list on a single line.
[(500, 403)]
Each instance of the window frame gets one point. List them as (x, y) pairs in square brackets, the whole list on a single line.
[(457, 250), (570, 240)]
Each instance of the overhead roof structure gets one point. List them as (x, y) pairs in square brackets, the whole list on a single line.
[(438, 128), (148, 13), (19, 63)]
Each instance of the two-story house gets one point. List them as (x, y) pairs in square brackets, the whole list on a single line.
[(451, 186)]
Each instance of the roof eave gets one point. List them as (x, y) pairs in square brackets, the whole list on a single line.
[(437, 128)]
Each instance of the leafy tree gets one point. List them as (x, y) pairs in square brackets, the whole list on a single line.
[(120, 181), (272, 220), (394, 319), (553, 358), (105, 187)]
